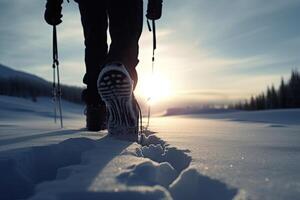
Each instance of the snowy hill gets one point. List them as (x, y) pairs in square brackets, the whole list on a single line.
[(6, 72), (22, 84), (14, 108)]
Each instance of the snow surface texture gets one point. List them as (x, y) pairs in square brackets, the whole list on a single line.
[(40, 161), (20, 108), (75, 164), (279, 117), (262, 158), (107, 168)]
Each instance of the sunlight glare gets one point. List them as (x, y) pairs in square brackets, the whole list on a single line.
[(156, 88)]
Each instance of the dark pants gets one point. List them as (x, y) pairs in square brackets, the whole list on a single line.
[(125, 21)]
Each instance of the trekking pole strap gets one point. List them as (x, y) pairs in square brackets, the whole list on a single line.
[(154, 34), (55, 51)]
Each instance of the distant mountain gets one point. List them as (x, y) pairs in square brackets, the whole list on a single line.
[(196, 111), (26, 85), (6, 72)]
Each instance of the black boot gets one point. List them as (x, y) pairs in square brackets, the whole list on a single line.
[(95, 111), (95, 117)]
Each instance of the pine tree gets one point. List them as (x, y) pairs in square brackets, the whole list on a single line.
[(286, 96), (294, 90), (269, 98), (252, 103), (274, 98), (282, 94)]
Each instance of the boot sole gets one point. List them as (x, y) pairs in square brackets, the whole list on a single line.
[(115, 88)]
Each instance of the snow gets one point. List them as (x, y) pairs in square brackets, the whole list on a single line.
[(31, 165), (188, 157), (150, 173), (258, 155), (192, 185), (279, 117), (98, 174)]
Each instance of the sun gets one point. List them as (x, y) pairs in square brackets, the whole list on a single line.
[(155, 88)]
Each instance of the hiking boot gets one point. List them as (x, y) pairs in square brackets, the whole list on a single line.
[(95, 117), (116, 89)]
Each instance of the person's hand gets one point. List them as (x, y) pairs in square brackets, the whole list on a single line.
[(53, 12), (154, 9)]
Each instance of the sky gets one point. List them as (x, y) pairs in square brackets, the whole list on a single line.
[(207, 51)]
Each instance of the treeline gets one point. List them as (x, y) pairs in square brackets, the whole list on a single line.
[(31, 88), (287, 95)]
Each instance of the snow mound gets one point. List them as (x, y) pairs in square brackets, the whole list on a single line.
[(30, 166), (152, 140), (192, 185), (150, 173), (177, 158), (99, 175), (153, 152), (174, 173)]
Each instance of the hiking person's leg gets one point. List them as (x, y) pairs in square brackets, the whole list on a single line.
[(94, 22), (125, 27), (118, 78)]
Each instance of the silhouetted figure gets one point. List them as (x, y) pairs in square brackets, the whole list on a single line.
[(124, 18)]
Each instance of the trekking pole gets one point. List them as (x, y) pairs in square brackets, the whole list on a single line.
[(152, 69), (56, 86), (54, 93)]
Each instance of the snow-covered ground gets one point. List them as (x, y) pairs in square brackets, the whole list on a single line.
[(190, 157), (258, 152)]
